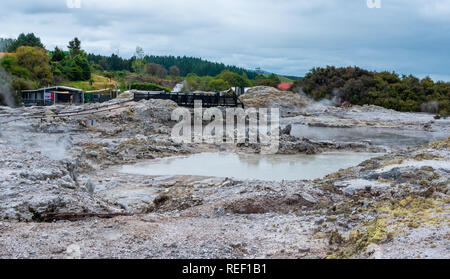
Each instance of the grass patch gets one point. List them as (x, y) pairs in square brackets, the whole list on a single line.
[(99, 82)]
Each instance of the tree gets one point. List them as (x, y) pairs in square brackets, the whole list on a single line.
[(37, 61), (25, 40), (156, 70), (174, 71), (162, 72), (74, 72), (83, 64), (5, 44), (138, 66), (272, 80), (234, 79), (76, 68), (192, 83), (10, 64), (58, 55), (218, 85), (74, 47)]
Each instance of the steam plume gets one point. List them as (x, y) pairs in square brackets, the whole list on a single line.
[(432, 107), (6, 91)]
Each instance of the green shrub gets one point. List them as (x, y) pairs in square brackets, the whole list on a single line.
[(218, 85), (359, 87), (149, 87), (9, 63)]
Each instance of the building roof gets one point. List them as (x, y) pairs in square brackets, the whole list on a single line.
[(5, 53), (55, 88), (285, 85)]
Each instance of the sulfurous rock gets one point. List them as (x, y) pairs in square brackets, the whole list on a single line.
[(289, 103), (46, 186)]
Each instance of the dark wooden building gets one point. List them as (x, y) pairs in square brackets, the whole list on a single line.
[(52, 95)]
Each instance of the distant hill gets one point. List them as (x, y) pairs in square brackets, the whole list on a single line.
[(294, 78), (285, 78), (185, 64)]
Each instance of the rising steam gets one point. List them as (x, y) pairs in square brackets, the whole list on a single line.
[(432, 107), (6, 90), (22, 135)]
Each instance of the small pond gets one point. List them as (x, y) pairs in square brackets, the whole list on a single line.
[(251, 166), (377, 136)]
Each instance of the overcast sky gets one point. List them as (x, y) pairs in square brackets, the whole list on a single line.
[(282, 36)]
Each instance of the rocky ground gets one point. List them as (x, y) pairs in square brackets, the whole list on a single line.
[(393, 206)]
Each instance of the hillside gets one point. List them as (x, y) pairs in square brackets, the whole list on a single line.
[(282, 78), (185, 64), (99, 82)]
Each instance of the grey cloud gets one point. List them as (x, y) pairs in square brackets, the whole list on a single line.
[(289, 37)]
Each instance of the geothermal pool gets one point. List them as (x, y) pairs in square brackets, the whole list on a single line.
[(251, 166), (377, 136)]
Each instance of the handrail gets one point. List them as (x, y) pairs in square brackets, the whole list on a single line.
[(188, 99)]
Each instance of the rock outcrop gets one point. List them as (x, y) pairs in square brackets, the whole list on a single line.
[(289, 103)]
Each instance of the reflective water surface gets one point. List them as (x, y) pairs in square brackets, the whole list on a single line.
[(251, 166), (377, 136)]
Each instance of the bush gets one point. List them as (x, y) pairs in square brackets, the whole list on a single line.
[(29, 40), (97, 68), (19, 84), (37, 61), (218, 85), (233, 79), (359, 87), (271, 80), (149, 87), (9, 63)]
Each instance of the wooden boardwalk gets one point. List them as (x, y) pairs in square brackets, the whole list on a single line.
[(188, 99)]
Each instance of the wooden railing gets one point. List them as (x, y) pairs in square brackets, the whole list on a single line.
[(188, 99)]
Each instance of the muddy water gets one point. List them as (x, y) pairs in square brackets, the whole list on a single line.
[(377, 136), (263, 167)]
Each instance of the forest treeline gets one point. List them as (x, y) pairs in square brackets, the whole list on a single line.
[(186, 65)]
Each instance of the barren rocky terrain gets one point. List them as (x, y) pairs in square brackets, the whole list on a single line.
[(62, 194)]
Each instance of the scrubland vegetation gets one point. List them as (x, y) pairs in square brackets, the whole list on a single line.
[(385, 89)]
